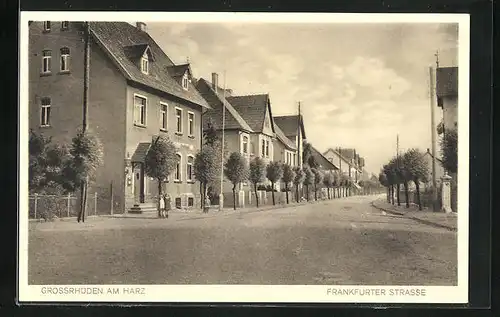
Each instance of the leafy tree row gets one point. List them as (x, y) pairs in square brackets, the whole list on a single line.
[(401, 170)]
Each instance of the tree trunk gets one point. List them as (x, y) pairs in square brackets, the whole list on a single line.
[(405, 184), (256, 196), (398, 189), (159, 198), (392, 194), (234, 197), (389, 194), (417, 185), (85, 188), (286, 191), (272, 191), (202, 202), (315, 192), (297, 192), (81, 203), (328, 189), (307, 192)]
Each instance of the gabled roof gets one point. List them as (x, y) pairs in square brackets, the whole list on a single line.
[(447, 81), (233, 119), (121, 41), (322, 160), (179, 70), (136, 51), (284, 139), (140, 152), (288, 124), (253, 109)]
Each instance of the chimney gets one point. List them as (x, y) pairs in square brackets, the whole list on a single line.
[(428, 151), (141, 26), (215, 81)]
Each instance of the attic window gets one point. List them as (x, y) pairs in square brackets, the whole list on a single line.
[(145, 64), (185, 81)]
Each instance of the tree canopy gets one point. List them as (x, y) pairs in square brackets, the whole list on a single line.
[(161, 158), (236, 169), (449, 150)]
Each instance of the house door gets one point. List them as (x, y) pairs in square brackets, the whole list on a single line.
[(139, 184)]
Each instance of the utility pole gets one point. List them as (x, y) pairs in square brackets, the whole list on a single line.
[(221, 196), (433, 135)]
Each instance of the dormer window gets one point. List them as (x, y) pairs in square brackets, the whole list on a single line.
[(46, 26), (145, 64), (185, 81)]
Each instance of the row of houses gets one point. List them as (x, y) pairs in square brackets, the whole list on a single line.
[(137, 92)]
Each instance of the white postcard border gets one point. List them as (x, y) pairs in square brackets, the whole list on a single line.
[(248, 293)]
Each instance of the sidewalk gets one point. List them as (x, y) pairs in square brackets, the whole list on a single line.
[(436, 219)]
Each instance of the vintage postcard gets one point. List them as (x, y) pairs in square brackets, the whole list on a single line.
[(243, 157)]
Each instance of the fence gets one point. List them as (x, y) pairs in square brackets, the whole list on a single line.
[(64, 206)]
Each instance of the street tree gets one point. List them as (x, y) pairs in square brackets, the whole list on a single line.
[(46, 164), (236, 170), (274, 172), (335, 183), (288, 177), (418, 168), (394, 165), (449, 150), (308, 157), (402, 169), (297, 181), (257, 174), (210, 133), (159, 163), (86, 155), (318, 177), (207, 168), (308, 179), (328, 182), (382, 178)]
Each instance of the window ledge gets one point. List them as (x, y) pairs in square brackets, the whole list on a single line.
[(179, 133), (42, 74), (64, 72), (191, 136), (140, 125), (45, 126), (190, 182), (177, 182), (163, 130), (46, 31)]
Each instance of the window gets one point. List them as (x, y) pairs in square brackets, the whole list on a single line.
[(263, 148), (294, 159), (178, 118), (178, 203), (163, 116), (185, 81), (46, 26), (65, 25), (267, 148), (145, 64), (64, 59), (45, 112), (191, 123), (46, 61), (140, 110), (178, 168), (189, 168), (190, 201), (245, 144)]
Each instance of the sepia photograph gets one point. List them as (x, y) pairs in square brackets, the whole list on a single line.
[(175, 157)]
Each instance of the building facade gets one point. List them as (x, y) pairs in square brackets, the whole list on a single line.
[(292, 127), (135, 94), (447, 95)]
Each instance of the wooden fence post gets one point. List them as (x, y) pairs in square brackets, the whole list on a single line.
[(95, 203), (69, 204), (36, 201)]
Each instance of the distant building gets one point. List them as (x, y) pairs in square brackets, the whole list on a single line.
[(293, 128), (348, 161), (447, 96)]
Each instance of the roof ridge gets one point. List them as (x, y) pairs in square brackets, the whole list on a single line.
[(250, 95)]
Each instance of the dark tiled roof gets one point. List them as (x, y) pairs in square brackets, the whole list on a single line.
[(134, 52), (121, 41), (233, 120), (253, 109), (178, 70), (288, 124), (322, 160), (140, 152), (447, 81), (284, 139)]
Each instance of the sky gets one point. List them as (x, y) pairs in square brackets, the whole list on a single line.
[(360, 85)]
